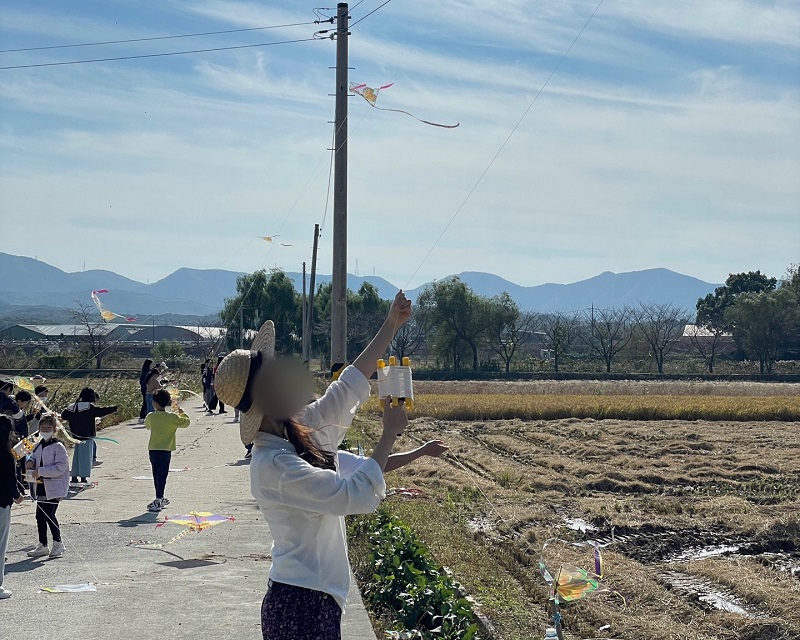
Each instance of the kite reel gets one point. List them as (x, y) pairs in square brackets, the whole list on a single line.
[(395, 380)]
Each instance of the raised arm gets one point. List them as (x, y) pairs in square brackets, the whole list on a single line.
[(399, 314), (434, 448)]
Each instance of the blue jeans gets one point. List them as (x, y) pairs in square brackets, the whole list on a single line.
[(5, 528), (148, 399)]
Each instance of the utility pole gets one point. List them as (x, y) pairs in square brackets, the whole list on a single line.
[(241, 325), (304, 326), (339, 274), (309, 326)]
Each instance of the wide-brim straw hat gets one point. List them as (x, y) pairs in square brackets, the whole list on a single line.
[(233, 373)]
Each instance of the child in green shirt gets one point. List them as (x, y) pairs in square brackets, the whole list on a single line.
[(162, 426)]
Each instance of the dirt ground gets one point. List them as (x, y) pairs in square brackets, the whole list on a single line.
[(700, 522)]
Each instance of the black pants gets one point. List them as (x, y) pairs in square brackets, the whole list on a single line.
[(295, 613), (46, 517), (143, 410), (159, 461)]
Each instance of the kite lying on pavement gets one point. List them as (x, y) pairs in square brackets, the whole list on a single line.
[(105, 313), (195, 521), (371, 96)]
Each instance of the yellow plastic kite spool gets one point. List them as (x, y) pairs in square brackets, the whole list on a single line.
[(395, 380)]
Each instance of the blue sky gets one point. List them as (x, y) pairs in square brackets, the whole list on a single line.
[(669, 137)]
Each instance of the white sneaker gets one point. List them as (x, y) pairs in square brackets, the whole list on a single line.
[(58, 550), (141, 421), (164, 502), (40, 551), (4, 593), (155, 506)]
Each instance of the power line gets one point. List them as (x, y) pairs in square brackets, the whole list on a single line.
[(157, 55), (505, 142), (365, 16), (183, 35)]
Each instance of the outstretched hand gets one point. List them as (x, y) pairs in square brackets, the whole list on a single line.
[(400, 311), (434, 448)]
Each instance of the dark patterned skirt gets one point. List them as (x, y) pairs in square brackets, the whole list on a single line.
[(295, 613)]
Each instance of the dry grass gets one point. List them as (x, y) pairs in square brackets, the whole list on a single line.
[(486, 406), (665, 487), (609, 388)]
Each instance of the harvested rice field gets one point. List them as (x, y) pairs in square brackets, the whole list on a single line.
[(700, 520)]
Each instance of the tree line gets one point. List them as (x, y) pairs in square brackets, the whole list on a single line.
[(751, 316)]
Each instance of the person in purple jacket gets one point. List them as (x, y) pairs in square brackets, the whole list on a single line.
[(48, 468)]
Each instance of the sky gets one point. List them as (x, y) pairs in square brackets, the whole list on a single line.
[(668, 137)]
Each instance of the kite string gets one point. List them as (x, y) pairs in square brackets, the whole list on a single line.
[(503, 145)]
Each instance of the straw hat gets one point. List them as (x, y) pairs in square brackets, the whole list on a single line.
[(234, 378)]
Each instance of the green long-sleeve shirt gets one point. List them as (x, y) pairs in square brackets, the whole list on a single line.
[(162, 426)]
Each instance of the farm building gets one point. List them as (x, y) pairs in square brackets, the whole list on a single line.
[(122, 333)]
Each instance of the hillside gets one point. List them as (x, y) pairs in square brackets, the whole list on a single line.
[(33, 289)]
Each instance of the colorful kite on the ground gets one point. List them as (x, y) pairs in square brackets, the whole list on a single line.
[(105, 313), (572, 583), (195, 521), (271, 240), (371, 96)]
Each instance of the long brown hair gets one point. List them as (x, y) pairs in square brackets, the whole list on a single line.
[(300, 436)]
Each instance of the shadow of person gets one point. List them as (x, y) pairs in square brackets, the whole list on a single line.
[(147, 517)]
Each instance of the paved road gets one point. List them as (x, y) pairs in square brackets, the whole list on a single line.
[(207, 585)]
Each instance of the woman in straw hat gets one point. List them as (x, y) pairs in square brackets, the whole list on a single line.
[(294, 476)]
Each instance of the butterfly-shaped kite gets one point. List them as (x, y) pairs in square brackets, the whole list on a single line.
[(371, 96), (107, 314)]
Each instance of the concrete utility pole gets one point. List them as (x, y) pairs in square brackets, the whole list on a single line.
[(339, 275), (308, 329), (241, 325), (304, 325)]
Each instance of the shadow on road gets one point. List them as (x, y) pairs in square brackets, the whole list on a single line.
[(146, 518)]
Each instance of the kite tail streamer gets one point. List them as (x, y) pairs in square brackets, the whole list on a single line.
[(433, 124)]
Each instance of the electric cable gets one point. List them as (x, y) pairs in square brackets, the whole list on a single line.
[(153, 38)]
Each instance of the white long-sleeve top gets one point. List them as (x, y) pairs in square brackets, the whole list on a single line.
[(303, 505)]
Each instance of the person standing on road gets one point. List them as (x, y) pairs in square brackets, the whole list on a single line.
[(208, 385), (9, 494), (162, 425), (146, 366), (294, 476), (81, 418), (48, 467), (216, 398)]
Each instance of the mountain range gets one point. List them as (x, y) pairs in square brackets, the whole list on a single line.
[(28, 283)]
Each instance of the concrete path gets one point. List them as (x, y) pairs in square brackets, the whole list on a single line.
[(206, 585)]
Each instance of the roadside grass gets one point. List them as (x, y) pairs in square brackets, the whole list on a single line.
[(503, 406)]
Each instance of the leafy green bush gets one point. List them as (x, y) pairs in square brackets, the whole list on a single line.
[(407, 584)]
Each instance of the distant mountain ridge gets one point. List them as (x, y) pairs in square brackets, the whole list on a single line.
[(200, 292)]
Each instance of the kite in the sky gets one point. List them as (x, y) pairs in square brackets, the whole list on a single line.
[(105, 313), (371, 96), (271, 240)]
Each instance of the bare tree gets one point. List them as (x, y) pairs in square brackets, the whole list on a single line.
[(208, 339), (96, 337), (660, 325), (408, 339), (509, 328), (609, 333), (706, 340), (561, 330)]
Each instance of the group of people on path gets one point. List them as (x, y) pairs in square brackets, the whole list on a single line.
[(303, 483), (45, 468)]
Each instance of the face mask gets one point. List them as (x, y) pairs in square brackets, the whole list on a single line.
[(46, 435)]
